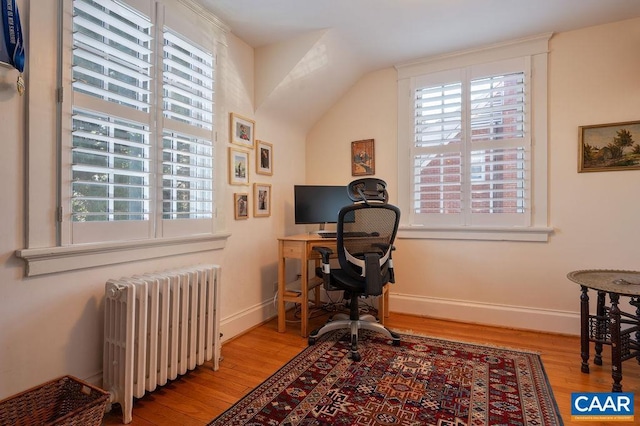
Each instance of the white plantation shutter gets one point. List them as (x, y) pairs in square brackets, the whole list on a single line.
[(499, 151), (187, 166), (437, 169), (187, 176), (112, 55), (111, 150), (471, 147), (111, 178), (188, 82), (142, 125)]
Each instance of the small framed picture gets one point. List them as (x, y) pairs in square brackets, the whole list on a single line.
[(242, 130), (238, 167), (605, 147), (264, 158), (363, 158), (262, 200), (241, 205)]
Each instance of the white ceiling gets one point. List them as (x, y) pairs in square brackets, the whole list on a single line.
[(381, 33)]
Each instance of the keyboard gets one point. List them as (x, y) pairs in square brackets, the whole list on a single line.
[(329, 234)]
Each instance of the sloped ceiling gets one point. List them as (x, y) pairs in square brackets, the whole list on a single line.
[(301, 78), (308, 53)]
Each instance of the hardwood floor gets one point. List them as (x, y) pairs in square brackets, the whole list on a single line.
[(201, 395)]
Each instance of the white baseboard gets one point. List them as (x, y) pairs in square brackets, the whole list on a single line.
[(519, 317), (236, 324), (546, 320)]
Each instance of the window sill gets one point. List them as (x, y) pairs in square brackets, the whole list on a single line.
[(48, 260), (536, 234)]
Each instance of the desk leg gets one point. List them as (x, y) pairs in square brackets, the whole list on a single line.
[(316, 293), (383, 305), (282, 324), (584, 329), (616, 361), (304, 302)]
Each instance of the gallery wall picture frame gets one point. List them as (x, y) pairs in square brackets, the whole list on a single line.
[(264, 158), (238, 167), (609, 147), (241, 205), (261, 199), (363, 160), (242, 130)]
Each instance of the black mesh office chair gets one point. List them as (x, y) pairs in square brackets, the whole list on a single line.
[(365, 234)]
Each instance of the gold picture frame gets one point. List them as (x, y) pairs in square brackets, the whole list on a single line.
[(238, 167), (264, 158), (242, 130), (363, 160), (241, 205), (609, 147), (261, 199)]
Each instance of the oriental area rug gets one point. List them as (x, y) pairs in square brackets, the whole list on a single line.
[(424, 381)]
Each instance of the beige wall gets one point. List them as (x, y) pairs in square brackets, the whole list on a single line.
[(593, 78), (51, 325)]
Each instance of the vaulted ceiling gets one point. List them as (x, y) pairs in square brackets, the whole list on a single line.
[(327, 45)]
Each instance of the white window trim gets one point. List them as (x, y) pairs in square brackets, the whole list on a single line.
[(537, 48), (43, 252), (50, 260)]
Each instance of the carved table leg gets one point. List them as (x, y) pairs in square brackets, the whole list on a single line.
[(601, 327), (584, 329), (635, 301), (616, 361)]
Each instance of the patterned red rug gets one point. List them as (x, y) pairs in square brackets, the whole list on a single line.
[(424, 381)]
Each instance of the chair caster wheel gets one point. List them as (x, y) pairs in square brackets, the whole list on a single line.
[(395, 342), (355, 357), (311, 340)]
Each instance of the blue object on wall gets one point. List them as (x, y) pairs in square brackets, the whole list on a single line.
[(11, 41)]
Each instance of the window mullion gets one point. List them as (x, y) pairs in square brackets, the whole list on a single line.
[(156, 113)]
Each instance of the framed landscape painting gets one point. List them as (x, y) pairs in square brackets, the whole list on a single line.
[(605, 147)]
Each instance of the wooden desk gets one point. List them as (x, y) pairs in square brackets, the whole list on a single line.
[(301, 247), (610, 325)]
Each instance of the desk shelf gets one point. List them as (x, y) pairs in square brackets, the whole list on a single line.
[(291, 295)]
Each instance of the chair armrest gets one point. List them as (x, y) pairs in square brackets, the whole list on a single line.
[(325, 253)]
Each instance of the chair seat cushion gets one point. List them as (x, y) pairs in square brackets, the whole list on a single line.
[(343, 280)]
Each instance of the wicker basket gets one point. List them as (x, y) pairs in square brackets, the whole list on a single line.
[(64, 401)]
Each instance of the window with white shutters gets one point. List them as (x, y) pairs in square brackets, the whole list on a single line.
[(468, 135), (471, 149), (142, 149)]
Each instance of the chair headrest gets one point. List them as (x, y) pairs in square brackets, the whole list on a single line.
[(368, 189)]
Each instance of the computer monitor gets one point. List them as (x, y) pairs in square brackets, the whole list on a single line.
[(319, 204)]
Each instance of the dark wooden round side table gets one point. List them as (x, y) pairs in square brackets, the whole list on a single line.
[(609, 325)]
